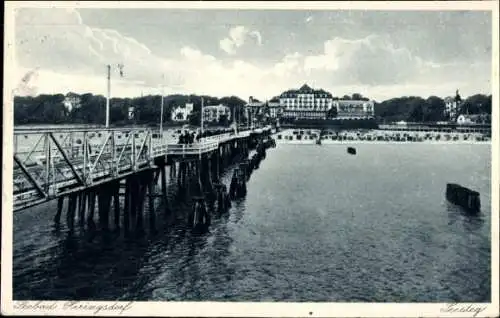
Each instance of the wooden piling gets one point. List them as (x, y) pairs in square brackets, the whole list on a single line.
[(156, 176), (164, 188), (103, 206), (134, 197), (60, 204), (82, 207), (127, 207), (152, 219), (140, 204), (70, 214), (91, 208), (116, 205)]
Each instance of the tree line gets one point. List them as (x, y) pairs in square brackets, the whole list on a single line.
[(432, 109), (49, 109)]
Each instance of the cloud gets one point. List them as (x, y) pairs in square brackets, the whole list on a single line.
[(372, 60), (290, 64), (237, 37), (58, 40), (257, 36), (69, 55), (26, 86), (228, 46)]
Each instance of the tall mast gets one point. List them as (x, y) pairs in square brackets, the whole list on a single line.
[(161, 111), (108, 94), (201, 116)]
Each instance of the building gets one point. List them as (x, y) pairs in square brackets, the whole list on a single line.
[(72, 101), (308, 103), (452, 105), (253, 108), (474, 119), (275, 109), (271, 107), (215, 112), (305, 103), (181, 113), (354, 109), (131, 112)]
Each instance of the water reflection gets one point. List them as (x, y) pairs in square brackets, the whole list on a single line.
[(472, 222), (238, 210)]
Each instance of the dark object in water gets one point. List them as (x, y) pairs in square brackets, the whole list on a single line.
[(351, 150), (318, 141), (463, 197), (200, 218)]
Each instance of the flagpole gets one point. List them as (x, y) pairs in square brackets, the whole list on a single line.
[(235, 123), (201, 117), (161, 112), (108, 94)]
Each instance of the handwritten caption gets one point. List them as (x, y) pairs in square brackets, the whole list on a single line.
[(118, 308), (474, 310)]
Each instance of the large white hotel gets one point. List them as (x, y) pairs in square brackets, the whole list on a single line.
[(309, 103)]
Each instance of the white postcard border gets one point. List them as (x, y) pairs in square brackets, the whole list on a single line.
[(218, 309)]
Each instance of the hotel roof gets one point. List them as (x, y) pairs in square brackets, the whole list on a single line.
[(305, 89)]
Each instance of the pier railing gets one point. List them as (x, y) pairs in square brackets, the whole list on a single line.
[(193, 149), (53, 162)]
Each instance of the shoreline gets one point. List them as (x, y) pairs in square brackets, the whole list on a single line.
[(359, 142)]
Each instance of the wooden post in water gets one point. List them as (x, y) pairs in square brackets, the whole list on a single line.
[(185, 173), (60, 204), (173, 168), (142, 185), (70, 214), (157, 175), (91, 200), (81, 208), (217, 159), (127, 207), (134, 197), (152, 217), (116, 205), (164, 188), (180, 173), (103, 206)]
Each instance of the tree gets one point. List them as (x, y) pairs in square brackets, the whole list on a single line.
[(476, 104), (402, 108), (194, 118), (357, 96), (332, 113), (435, 108), (223, 120)]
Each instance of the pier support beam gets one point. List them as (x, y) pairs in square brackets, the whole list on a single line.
[(91, 208), (60, 204), (141, 190), (127, 206), (116, 205), (82, 207), (163, 173), (103, 206), (152, 216), (70, 214)]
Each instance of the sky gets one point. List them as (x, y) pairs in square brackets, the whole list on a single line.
[(260, 53)]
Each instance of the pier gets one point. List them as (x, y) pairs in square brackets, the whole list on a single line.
[(92, 169)]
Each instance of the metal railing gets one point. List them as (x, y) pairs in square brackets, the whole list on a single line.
[(50, 163), (193, 149)]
